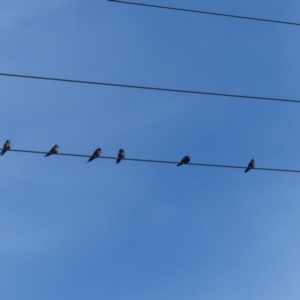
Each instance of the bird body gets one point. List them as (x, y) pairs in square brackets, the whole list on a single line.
[(96, 153), (185, 160), (121, 155), (6, 146), (54, 150), (251, 165)]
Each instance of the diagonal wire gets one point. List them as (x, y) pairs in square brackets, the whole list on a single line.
[(161, 89), (207, 12), (157, 161)]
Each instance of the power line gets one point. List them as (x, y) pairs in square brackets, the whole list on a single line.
[(161, 89), (158, 161), (207, 12)]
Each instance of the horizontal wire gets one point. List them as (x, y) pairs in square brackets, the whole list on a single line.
[(151, 88), (207, 12), (157, 161)]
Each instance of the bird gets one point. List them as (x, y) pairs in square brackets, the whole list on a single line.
[(185, 160), (251, 165), (54, 150), (6, 147), (96, 153), (121, 155)]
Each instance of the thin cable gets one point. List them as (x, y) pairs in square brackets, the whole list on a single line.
[(158, 161), (151, 88), (207, 12)]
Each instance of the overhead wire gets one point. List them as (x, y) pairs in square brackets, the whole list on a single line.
[(156, 161), (206, 12), (161, 89)]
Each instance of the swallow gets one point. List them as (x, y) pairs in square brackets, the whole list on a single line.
[(54, 150), (121, 155), (6, 147), (96, 153), (251, 165), (185, 160)]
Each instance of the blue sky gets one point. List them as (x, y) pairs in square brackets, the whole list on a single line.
[(71, 230)]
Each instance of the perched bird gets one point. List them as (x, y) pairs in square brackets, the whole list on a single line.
[(121, 155), (185, 160), (96, 153), (53, 150), (6, 147), (251, 165)]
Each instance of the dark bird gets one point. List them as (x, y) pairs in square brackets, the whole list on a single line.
[(185, 160), (251, 165), (121, 155), (54, 150), (96, 153), (6, 147)]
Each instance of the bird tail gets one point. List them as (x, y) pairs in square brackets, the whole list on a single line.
[(2, 152), (179, 164), (118, 160), (247, 170), (90, 159), (47, 154)]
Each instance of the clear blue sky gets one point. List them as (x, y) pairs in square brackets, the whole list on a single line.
[(71, 230)]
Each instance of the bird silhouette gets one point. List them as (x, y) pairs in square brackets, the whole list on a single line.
[(54, 150), (96, 153), (185, 160), (6, 146), (121, 155), (251, 165)]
